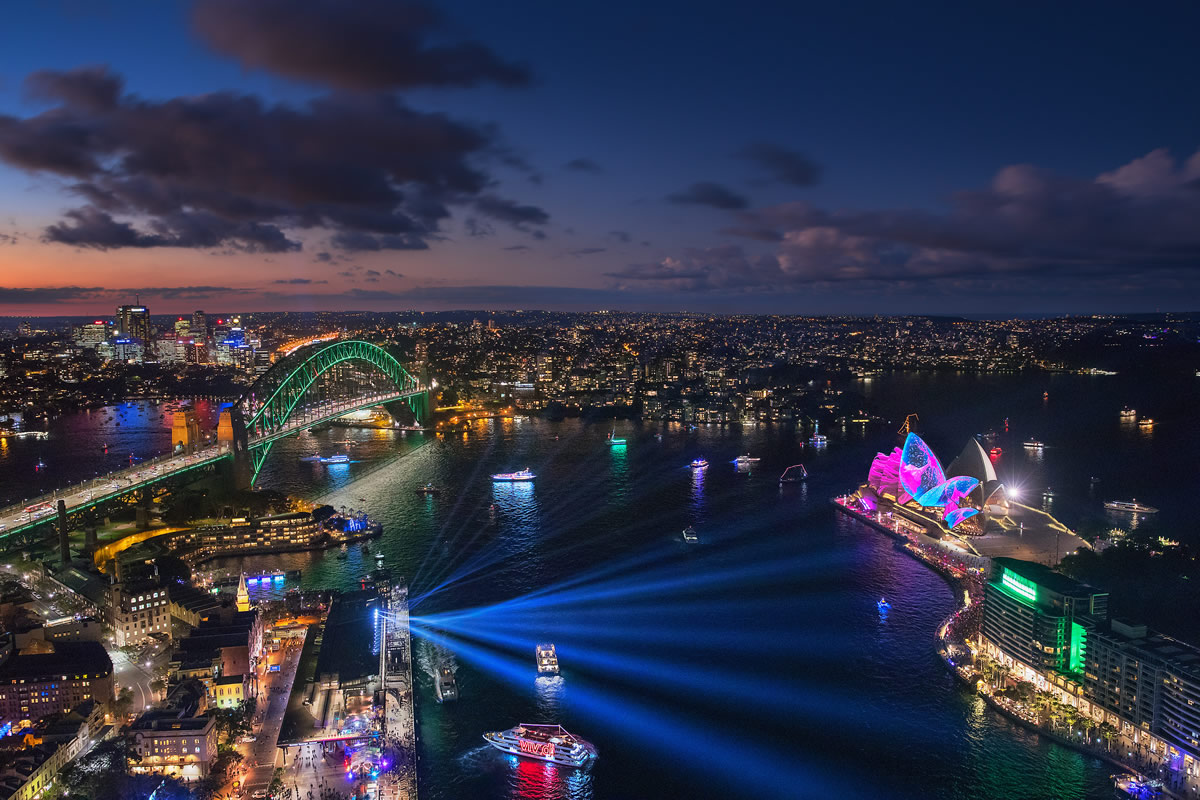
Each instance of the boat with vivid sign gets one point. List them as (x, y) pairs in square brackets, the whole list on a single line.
[(544, 742)]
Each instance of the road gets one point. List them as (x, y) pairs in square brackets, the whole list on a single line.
[(259, 756)]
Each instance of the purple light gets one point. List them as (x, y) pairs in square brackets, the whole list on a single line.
[(919, 467)]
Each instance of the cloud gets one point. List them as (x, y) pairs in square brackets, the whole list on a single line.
[(477, 228), (179, 292), (786, 166), (707, 193), (326, 257), (366, 44), (376, 173), (586, 251), (517, 247), (621, 236), (1128, 227), (393, 273), (583, 165), (297, 282), (46, 294)]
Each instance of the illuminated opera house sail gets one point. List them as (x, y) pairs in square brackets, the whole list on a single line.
[(911, 476)]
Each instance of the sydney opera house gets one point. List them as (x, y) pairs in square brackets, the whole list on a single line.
[(911, 480)]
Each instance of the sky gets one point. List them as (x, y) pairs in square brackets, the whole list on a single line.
[(755, 157)]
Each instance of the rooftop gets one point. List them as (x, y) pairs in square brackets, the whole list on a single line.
[(68, 658)]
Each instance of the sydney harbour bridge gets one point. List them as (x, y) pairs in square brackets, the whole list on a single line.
[(310, 386)]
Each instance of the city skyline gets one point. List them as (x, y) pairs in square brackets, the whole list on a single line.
[(384, 156)]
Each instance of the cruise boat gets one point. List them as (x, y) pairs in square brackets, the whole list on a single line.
[(428, 488), (1034, 444), (1128, 413), (613, 440), (818, 439), (444, 685), (1147, 422), (340, 458), (547, 659), (1132, 506), (544, 742), (796, 473), (698, 463), (746, 460), (514, 477), (689, 535)]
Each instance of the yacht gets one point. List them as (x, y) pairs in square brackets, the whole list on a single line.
[(1132, 506), (818, 439), (996, 452), (746, 460), (445, 686), (547, 659), (1034, 444), (340, 458), (1128, 413), (796, 473), (544, 742), (1147, 422), (514, 477), (613, 440), (698, 463), (689, 535)]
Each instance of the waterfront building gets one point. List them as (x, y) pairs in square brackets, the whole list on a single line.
[(167, 744), (50, 677), (1032, 618)]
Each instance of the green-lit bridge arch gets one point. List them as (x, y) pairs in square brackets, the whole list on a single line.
[(267, 408)]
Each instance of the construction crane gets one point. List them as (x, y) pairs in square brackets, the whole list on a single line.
[(909, 423)]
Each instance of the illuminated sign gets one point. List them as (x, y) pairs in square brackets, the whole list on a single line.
[(541, 749), (1019, 585)]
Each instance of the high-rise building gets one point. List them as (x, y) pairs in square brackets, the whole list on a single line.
[(183, 327), (133, 322), (91, 334), (1031, 615), (199, 325)]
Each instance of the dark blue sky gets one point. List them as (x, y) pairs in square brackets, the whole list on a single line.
[(759, 156)]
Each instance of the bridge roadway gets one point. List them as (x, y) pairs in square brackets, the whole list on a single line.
[(42, 510)]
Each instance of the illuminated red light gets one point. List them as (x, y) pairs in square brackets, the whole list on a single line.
[(543, 749)]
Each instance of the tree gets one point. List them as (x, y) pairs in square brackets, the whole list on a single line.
[(157, 685), (123, 704), (1108, 733)]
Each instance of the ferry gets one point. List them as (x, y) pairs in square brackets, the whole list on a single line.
[(689, 535), (547, 659), (514, 477), (544, 742), (341, 458), (789, 476), (1128, 413), (746, 460), (428, 488), (818, 439), (613, 440), (698, 463), (1148, 422), (1034, 444), (445, 686), (1132, 506)]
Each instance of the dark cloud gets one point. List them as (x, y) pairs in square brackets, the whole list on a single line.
[(621, 236), (379, 175), (46, 294), (517, 247), (586, 251), (393, 273), (477, 228), (786, 166), (7, 239), (1138, 220), (707, 193), (584, 165), (298, 282), (366, 44), (374, 273), (326, 257)]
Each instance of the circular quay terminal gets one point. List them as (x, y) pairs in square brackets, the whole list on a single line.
[(462, 400)]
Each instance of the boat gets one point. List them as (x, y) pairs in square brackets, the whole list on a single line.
[(818, 439), (544, 742), (1132, 506), (340, 458), (341, 556), (427, 489), (689, 534), (996, 452), (1034, 444), (789, 476), (313, 457), (883, 604), (1049, 492), (698, 463), (1148, 422), (613, 440), (514, 477), (1128, 413), (547, 659), (445, 686), (746, 460)]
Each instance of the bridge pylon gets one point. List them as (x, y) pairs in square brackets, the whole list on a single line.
[(232, 438)]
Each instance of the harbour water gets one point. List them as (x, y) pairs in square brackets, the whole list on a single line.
[(753, 663)]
